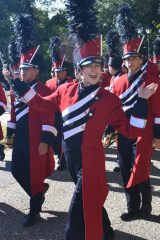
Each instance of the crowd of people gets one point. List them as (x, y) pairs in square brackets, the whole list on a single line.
[(70, 116)]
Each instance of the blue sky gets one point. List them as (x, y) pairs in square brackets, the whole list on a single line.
[(58, 4)]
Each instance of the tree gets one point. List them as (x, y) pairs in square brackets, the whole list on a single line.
[(145, 12), (52, 21), (46, 27)]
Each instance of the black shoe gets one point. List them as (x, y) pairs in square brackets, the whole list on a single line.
[(61, 167), (110, 235), (130, 216), (30, 219), (146, 212)]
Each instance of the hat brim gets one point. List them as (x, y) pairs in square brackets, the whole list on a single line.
[(27, 65), (16, 71), (131, 54), (59, 69), (90, 60)]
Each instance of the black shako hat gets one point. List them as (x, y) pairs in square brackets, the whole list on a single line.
[(84, 32), (24, 30), (14, 55), (56, 54), (126, 27), (113, 44)]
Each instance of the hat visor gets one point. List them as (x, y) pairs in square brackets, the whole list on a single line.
[(27, 65), (59, 69), (90, 60), (131, 54), (16, 72)]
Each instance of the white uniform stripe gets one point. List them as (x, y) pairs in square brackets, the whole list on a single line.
[(132, 96), (29, 95), (76, 118), (126, 108), (74, 131), (137, 122), (16, 110), (124, 94), (144, 66), (21, 114), (3, 105), (49, 128), (11, 125), (79, 103), (157, 120), (34, 85)]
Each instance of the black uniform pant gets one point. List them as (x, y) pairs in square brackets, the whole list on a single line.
[(21, 171), (141, 192), (75, 228), (57, 142), (36, 203)]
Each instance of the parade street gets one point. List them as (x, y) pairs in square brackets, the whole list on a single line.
[(14, 204)]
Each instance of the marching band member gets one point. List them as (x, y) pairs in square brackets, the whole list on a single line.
[(32, 156), (135, 155), (86, 110), (59, 72)]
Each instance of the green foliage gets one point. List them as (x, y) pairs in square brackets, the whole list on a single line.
[(51, 21), (56, 26), (46, 27), (145, 11)]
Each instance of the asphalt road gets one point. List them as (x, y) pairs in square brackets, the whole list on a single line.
[(14, 204)]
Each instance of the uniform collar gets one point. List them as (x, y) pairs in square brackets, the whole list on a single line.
[(33, 82), (85, 90), (132, 77)]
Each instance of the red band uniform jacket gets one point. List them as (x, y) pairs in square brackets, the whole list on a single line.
[(128, 92), (53, 83), (89, 116), (3, 107)]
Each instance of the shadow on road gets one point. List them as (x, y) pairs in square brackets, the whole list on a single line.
[(122, 236), (52, 227), (61, 176), (115, 178)]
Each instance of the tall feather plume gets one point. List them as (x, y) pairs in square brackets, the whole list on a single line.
[(3, 58), (24, 30), (13, 52), (82, 19), (125, 23), (55, 44), (113, 43), (156, 46)]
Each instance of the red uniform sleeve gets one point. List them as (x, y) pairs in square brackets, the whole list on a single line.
[(3, 100), (130, 128)]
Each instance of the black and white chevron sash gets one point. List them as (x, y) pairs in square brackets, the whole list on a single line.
[(76, 116), (144, 66), (21, 107), (129, 97)]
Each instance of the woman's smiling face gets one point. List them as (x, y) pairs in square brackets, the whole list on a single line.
[(91, 73)]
